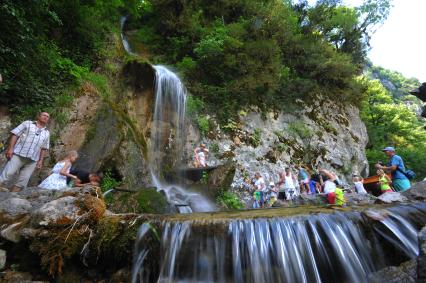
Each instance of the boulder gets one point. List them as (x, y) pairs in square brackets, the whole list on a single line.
[(359, 199), (416, 192), (62, 211), (146, 200), (12, 232), (391, 197), (13, 208)]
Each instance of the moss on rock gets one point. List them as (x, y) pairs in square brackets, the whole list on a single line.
[(151, 201), (145, 200)]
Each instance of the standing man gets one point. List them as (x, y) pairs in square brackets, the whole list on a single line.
[(27, 146), (397, 168)]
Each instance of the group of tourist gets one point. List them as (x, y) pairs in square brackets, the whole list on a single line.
[(27, 148), (292, 184)]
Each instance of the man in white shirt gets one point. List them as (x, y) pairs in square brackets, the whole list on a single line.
[(287, 178), (27, 146)]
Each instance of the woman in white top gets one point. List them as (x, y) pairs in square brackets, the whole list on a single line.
[(58, 176)]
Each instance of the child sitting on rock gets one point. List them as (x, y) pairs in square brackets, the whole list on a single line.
[(384, 182), (359, 185)]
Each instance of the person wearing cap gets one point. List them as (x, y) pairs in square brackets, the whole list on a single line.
[(397, 168)]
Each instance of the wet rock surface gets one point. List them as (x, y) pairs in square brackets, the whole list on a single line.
[(391, 197), (417, 192), (421, 259), (406, 273)]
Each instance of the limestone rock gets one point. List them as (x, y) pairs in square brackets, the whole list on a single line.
[(14, 207), (416, 192), (391, 197), (12, 232), (359, 199), (319, 135), (222, 176), (62, 211)]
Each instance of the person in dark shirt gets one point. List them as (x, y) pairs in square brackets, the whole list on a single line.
[(85, 178)]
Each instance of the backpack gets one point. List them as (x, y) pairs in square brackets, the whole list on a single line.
[(407, 173)]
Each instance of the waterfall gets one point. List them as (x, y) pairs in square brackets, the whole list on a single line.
[(124, 39), (168, 137), (340, 247)]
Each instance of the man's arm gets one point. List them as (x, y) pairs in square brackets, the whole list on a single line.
[(40, 160), (12, 142), (393, 165)]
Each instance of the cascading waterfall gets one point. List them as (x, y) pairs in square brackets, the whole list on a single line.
[(167, 136), (124, 40), (167, 140), (340, 247)]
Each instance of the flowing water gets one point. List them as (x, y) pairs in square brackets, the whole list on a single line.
[(340, 247), (167, 141), (124, 38), (166, 150)]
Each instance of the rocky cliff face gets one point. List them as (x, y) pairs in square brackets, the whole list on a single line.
[(321, 135)]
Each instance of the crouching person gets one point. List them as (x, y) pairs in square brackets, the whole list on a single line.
[(334, 194)]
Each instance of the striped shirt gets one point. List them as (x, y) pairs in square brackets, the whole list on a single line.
[(31, 139)]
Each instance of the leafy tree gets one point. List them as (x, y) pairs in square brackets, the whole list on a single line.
[(391, 122)]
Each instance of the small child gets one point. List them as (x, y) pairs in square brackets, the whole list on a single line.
[(273, 193), (384, 182), (259, 186), (359, 185), (58, 176)]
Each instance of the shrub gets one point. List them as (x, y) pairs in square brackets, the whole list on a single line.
[(229, 200), (203, 125)]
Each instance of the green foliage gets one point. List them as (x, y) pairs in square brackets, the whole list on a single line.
[(47, 46), (204, 177), (256, 137), (300, 129), (109, 182), (390, 121), (229, 200), (234, 54), (214, 148), (194, 105), (151, 201), (203, 125)]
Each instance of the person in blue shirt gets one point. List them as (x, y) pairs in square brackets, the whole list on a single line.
[(397, 168)]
